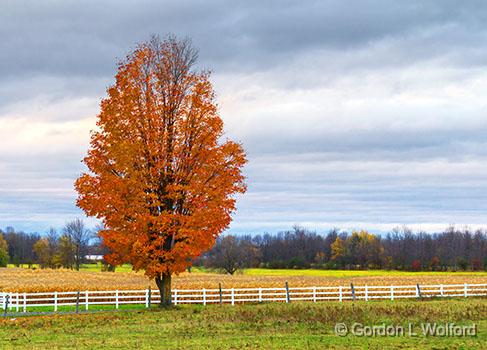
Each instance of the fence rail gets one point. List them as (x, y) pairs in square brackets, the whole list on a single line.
[(83, 300)]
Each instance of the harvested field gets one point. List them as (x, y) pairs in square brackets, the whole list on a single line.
[(25, 280)]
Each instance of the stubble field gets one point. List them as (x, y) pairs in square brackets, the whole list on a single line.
[(27, 280)]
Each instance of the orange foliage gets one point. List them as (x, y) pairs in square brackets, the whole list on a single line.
[(160, 177)]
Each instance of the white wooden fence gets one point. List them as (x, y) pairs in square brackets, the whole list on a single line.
[(84, 300)]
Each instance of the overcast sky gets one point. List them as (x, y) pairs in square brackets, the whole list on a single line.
[(354, 114)]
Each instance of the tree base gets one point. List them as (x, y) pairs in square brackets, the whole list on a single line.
[(164, 284)]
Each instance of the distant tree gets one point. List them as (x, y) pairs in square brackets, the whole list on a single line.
[(416, 265), (389, 262), (226, 255), (231, 253), (339, 251), (52, 238), (250, 252), (66, 252), (364, 249), (319, 258), (435, 263), (476, 264), (20, 246), (41, 248), (79, 236), (46, 249), (462, 263), (4, 257)]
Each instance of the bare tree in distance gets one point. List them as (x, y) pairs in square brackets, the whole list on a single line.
[(226, 255), (232, 253), (53, 240), (80, 237)]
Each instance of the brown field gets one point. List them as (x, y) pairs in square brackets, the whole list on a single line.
[(25, 280)]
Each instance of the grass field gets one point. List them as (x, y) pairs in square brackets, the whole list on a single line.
[(90, 278), (265, 326)]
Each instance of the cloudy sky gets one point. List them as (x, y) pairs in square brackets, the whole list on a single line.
[(354, 114)]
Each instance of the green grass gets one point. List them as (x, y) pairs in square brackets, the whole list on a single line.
[(354, 273), (97, 267), (265, 326), (32, 310)]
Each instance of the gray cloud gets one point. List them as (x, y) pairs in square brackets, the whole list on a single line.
[(368, 113), (85, 38)]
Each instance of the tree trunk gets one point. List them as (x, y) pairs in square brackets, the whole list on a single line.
[(164, 284), (77, 260)]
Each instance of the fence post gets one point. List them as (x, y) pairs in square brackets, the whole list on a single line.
[(220, 291), (314, 294), (442, 291), (392, 292), (366, 293), (77, 302), (233, 296), (204, 296), (86, 300), (465, 290), (7, 297), (175, 297), (150, 296), (340, 294), (147, 298), (17, 298), (260, 294), (116, 299), (352, 288), (25, 302), (55, 301), (287, 293), (418, 291)]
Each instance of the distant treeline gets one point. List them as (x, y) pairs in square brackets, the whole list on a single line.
[(52, 250), (298, 248), (400, 250)]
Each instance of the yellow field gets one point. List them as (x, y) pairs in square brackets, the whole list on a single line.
[(25, 280)]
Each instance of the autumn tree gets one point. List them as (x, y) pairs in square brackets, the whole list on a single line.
[(338, 250), (41, 248), (46, 249), (365, 249), (435, 263), (161, 177), (66, 252), (4, 257)]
